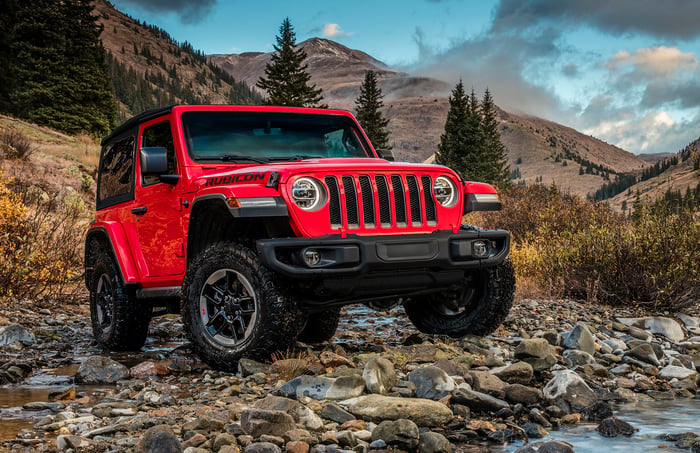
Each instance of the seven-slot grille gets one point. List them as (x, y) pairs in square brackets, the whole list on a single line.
[(366, 201)]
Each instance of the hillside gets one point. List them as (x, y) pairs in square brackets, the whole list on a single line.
[(149, 69), (539, 150)]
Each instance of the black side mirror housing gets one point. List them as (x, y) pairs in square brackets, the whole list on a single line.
[(154, 161), (386, 154)]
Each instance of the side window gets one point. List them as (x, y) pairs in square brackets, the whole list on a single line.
[(159, 135), (116, 175)]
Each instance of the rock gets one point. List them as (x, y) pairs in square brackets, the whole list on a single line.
[(430, 442), (676, 372), (222, 440), (98, 369), (578, 358), (517, 373), (69, 442), (667, 327), (262, 447), (16, 333), (402, 433), (485, 382), (333, 360), (207, 422), (518, 393), (427, 353), (537, 352), (321, 387), (336, 413), (114, 409), (477, 401), (159, 439), (640, 333), (550, 446), (452, 368), (431, 383), (568, 391), (580, 338), (378, 408), (379, 375), (149, 368), (249, 367), (298, 411), (613, 427), (534, 431), (257, 422), (643, 352)]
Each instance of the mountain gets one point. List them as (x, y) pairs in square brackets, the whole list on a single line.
[(539, 150), (150, 69)]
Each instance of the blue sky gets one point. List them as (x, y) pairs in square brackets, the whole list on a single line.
[(624, 71)]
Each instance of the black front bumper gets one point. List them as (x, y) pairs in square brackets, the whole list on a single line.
[(441, 251)]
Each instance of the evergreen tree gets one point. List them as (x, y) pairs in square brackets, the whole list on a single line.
[(369, 114), (495, 153), (286, 80), (452, 141), (59, 76)]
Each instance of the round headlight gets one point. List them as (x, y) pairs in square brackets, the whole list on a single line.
[(308, 194), (445, 191)]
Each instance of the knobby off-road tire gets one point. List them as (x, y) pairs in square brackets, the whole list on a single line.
[(119, 320), (320, 326), (232, 308), (477, 309)]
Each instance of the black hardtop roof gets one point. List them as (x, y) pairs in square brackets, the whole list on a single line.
[(136, 120)]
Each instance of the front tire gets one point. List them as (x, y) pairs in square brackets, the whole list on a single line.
[(119, 320), (232, 308), (478, 308)]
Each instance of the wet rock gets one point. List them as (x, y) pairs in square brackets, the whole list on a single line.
[(568, 391), (257, 422), (534, 431), (430, 442), (379, 375), (516, 373), (159, 439), (477, 401), (551, 446), (298, 411), (16, 333), (518, 393), (431, 382), (643, 352), (676, 372), (98, 369), (580, 338), (613, 427), (402, 433), (378, 408)]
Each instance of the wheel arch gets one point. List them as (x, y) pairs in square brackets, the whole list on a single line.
[(212, 220)]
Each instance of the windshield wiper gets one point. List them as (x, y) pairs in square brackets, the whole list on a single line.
[(292, 158), (235, 157)]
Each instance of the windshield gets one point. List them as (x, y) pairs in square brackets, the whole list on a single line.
[(270, 136)]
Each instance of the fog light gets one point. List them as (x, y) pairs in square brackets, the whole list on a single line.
[(480, 249), (312, 257)]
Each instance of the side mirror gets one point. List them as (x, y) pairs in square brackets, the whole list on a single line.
[(386, 154), (154, 161)]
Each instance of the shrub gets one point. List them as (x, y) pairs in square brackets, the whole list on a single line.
[(16, 144), (40, 249), (564, 245)]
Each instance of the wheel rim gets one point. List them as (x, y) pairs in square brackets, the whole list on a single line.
[(228, 307), (104, 302)]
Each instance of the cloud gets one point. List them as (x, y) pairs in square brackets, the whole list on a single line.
[(334, 31), (190, 11), (673, 19), (654, 62), (654, 132)]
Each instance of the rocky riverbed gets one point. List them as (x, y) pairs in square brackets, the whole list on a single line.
[(377, 386)]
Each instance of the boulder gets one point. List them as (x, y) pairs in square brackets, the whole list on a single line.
[(98, 369), (401, 433), (379, 375), (431, 382), (569, 391), (580, 338), (517, 373), (378, 408), (16, 333), (257, 422)]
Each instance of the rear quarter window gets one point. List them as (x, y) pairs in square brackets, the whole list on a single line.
[(116, 173)]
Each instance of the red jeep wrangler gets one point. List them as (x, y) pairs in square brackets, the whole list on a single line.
[(259, 223)]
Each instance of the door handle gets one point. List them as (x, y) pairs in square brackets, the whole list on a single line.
[(140, 210)]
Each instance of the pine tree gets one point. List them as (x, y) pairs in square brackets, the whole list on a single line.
[(452, 141), (286, 80), (495, 153), (369, 114), (60, 74)]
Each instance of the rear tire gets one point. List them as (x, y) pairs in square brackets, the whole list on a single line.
[(320, 326), (478, 308), (232, 308), (119, 320)]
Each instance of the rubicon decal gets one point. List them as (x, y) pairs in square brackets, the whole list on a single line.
[(235, 179)]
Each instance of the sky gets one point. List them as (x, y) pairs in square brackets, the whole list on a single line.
[(623, 71)]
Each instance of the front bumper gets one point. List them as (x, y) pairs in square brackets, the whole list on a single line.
[(333, 256)]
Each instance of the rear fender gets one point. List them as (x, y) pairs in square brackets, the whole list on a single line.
[(111, 236)]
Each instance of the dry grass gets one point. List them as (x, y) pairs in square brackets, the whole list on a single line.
[(289, 364)]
